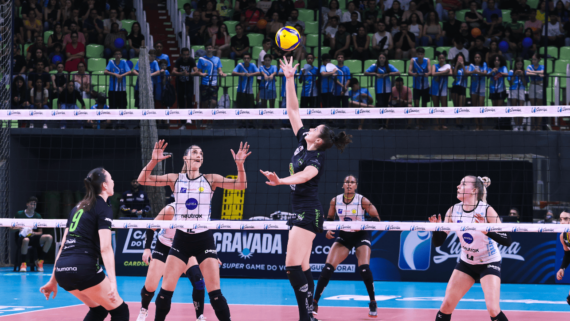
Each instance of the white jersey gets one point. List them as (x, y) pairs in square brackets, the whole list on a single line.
[(476, 247), (193, 198), (166, 235), (352, 211)]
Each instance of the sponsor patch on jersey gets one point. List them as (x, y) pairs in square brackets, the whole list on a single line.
[(183, 189), (353, 211), (339, 211), (201, 189), (347, 219), (191, 203), (468, 238)]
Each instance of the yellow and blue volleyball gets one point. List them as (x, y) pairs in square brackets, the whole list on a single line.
[(288, 38)]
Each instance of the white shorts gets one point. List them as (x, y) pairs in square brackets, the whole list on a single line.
[(535, 91), (517, 94)]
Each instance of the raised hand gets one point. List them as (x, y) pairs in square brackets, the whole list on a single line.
[(272, 177), (435, 219), (242, 153), (158, 151), (287, 67)]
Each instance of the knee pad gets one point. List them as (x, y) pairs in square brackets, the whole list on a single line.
[(121, 313), (96, 314), (365, 272), (568, 299), (195, 276), (296, 276), (163, 300), (217, 300), (327, 271)]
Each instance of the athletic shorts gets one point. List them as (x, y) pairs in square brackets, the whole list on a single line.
[(244, 101), (208, 93), (353, 239), (498, 96), (517, 94), (535, 91), (160, 252), (200, 245), (309, 218), (72, 273), (383, 99), (423, 94), (459, 90), (477, 271)]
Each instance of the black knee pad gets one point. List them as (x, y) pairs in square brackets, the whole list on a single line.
[(296, 277), (217, 300), (121, 313), (365, 272), (568, 299), (195, 276), (327, 271), (163, 300), (96, 314)]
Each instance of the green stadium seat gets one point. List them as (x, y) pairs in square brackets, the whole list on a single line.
[(312, 41), (565, 53), (325, 50), (102, 89), (506, 16), (549, 67), (231, 26), (134, 61), (256, 50), (47, 33), (342, 4), (440, 49), (355, 66), (228, 65), (198, 47), (128, 24), (369, 63), (26, 46), (430, 53), (306, 15), (311, 27), (94, 51), (54, 104), (130, 92), (255, 39), (460, 15), (365, 81), (551, 51), (96, 64), (560, 66), (400, 65), (99, 78), (181, 3)]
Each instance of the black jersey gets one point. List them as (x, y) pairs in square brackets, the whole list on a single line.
[(83, 230), (308, 192)]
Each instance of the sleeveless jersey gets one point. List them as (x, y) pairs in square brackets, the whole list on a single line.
[(566, 239), (193, 201), (166, 235), (476, 247), (349, 212)]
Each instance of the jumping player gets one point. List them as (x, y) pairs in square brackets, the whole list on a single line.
[(306, 168), (350, 206), (88, 235), (480, 255), (565, 240), (193, 193)]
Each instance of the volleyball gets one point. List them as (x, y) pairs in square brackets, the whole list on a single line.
[(288, 38)]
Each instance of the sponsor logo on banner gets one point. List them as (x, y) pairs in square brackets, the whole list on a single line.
[(36, 113), (392, 227), (341, 268), (199, 226), (270, 226), (130, 225), (333, 111), (545, 230), (442, 228), (535, 110), (368, 227), (126, 113), (566, 230), (467, 228), (39, 225), (246, 244), (285, 112), (417, 228), (246, 226), (387, 110), (242, 112), (461, 110), (222, 226), (411, 111), (513, 110), (196, 112), (338, 111), (415, 250), (562, 109), (519, 229), (79, 113), (103, 112), (436, 110), (149, 112), (61, 225), (152, 225), (174, 225), (14, 113), (135, 241), (494, 229), (216, 112), (314, 111), (452, 250), (363, 111), (57, 112), (343, 227), (18, 224), (484, 110)]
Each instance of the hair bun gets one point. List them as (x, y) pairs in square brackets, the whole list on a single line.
[(486, 181)]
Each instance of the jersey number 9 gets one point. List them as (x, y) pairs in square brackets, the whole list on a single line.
[(75, 220)]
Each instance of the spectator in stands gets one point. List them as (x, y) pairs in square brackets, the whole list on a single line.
[(39, 72), (432, 33), (117, 70), (251, 16), (394, 26), (239, 43), (549, 216), (55, 38), (330, 31), (210, 68), (309, 80), (458, 48), (20, 94), (327, 82), (490, 11), (294, 20), (333, 10), (267, 88), (74, 18), (212, 28), (184, 70), (19, 62), (524, 10), (515, 213), (285, 8), (360, 45), (39, 97), (162, 78), (59, 80), (209, 11), (411, 10), (459, 89), (372, 13), (439, 84), (33, 26), (19, 32), (187, 14), (516, 26), (465, 33), (221, 42), (415, 27), (224, 7), (541, 11), (419, 68), (134, 202), (246, 72), (479, 47), (74, 52), (136, 40), (85, 9), (38, 44), (555, 32), (93, 27), (108, 23), (404, 42), (39, 56), (443, 6), (301, 51), (401, 95), (32, 237), (478, 71), (264, 5), (110, 39), (395, 11), (450, 27), (80, 36), (273, 26), (239, 9), (496, 30), (535, 25), (518, 80), (159, 54), (101, 104), (347, 16), (498, 73), (341, 84), (535, 92), (28, 6), (266, 46), (493, 51), (52, 14), (359, 97), (341, 42), (195, 28), (353, 25), (474, 18), (82, 81), (382, 70), (68, 100)]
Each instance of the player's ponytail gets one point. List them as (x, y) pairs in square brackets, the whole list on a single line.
[(93, 183), (330, 138), (481, 184)]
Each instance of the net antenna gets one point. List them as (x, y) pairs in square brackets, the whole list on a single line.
[(149, 132)]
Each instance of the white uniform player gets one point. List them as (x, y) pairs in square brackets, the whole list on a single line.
[(192, 198), (352, 211)]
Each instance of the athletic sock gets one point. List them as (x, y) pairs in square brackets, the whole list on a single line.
[(96, 314), (195, 276), (163, 300), (500, 317), (298, 281), (368, 279), (146, 297), (220, 305), (324, 279), (121, 313), (311, 292), (442, 316)]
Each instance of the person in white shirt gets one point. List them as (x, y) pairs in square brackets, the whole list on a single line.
[(458, 42), (112, 19), (294, 19), (347, 16), (382, 41), (555, 31), (331, 30)]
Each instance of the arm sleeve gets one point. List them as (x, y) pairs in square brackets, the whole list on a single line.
[(149, 236), (501, 238), (565, 260), (301, 134), (105, 219), (438, 238)]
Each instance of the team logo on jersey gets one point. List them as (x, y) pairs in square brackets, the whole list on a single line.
[(339, 211), (347, 219), (468, 238), (201, 189), (183, 190), (415, 250), (191, 204), (353, 211)]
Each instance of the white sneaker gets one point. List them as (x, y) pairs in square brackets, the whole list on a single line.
[(142, 314), (201, 318), (45, 126), (31, 125)]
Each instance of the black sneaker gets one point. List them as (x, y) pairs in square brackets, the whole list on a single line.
[(372, 313), (315, 308)]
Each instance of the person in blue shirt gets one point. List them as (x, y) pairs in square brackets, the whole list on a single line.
[(327, 82), (535, 90), (101, 104), (497, 84), (340, 90), (491, 10), (440, 72), (246, 72), (359, 97), (518, 80), (309, 80), (459, 89), (159, 55), (154, 71), (117, 70), (382, 70), (267, 89), (210, 67), (478, 71), (420, 69), (283, 103)]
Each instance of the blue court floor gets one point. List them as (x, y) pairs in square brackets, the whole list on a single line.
[(20, 294)]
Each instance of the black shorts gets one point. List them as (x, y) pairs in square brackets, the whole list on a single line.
[(423, 94), (72, 273), (477, 271), (160, 252), (117, 99), (244, 100), (309, 218), (383, 99), (459, 90), (498, 96), (308, 102), (208, 93), (200, 245), (353, 239)]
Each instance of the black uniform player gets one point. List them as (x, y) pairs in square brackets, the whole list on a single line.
[(565, 240), (88, 235), (305, 168)]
